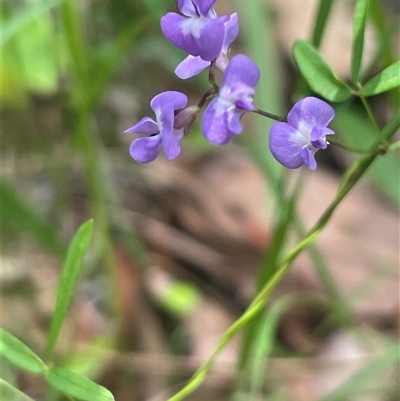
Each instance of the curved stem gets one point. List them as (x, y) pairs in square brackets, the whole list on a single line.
[(270, 115), (211, 71), (209, 93), (355, 172)]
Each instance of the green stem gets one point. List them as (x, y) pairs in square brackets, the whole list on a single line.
[(370, 115), (270, 115), (347, 147), (260, 300)]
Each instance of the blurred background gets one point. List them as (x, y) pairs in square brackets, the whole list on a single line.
[(181, 247)]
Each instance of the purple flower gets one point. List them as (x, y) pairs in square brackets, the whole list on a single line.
[(295, 143), (164, 133), (193, 65), (221, 119), (200, 32)]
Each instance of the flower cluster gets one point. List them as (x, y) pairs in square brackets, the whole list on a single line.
[(207, 38)]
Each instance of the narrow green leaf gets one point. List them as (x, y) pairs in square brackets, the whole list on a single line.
[(10, 393), (324, 10), (17, 212), (76, 385), (19, 354), (360, 19), (265, 338), (388, 79), (318, 74), (19, 21), (68, 281)]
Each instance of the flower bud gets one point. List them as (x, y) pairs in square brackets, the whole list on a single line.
[(185, 118)]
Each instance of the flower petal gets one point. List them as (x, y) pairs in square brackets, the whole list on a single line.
[(214, 124), (204, 6), (198, 36), (231, 32), (171, 143), (308, 156), (145, 150), (145, 126), (168, 100), (320, 132), (241, 69), (191, 66), (186, 7), (285, 145), (310, 112), (172, 26), (233, 121), (208, 36)]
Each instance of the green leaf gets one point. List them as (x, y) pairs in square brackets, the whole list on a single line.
[(320, 24), (69, 280), (10, 393), (318, 74), (353, 128), (20, 20), (17, 212), (360, 19), (265, 339), (388, 79), (76, 385), (19, 354)]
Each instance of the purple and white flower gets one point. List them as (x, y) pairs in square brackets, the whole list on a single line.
[(200, 32), (163, 133), (193, 65), (222, 117), (295, 143)]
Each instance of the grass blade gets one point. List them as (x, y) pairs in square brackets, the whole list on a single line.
[(76, 385), (360, 19), (324, 10), (68, 281), (19, 354)]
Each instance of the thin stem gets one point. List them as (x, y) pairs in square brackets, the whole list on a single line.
[(370, 115), (347, 147), (209, 93), (270, 115), (355, 173), (211, 71)]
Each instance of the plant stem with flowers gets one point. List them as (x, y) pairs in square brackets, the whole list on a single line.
[(293, 140)]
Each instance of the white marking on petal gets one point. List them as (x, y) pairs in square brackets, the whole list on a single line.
[(193, 26), (300, 138), (158, 112)]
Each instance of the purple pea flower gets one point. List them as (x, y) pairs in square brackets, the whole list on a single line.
[(221, 119), (193, 65), (164, 132), (199, 32), (295, 143)]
